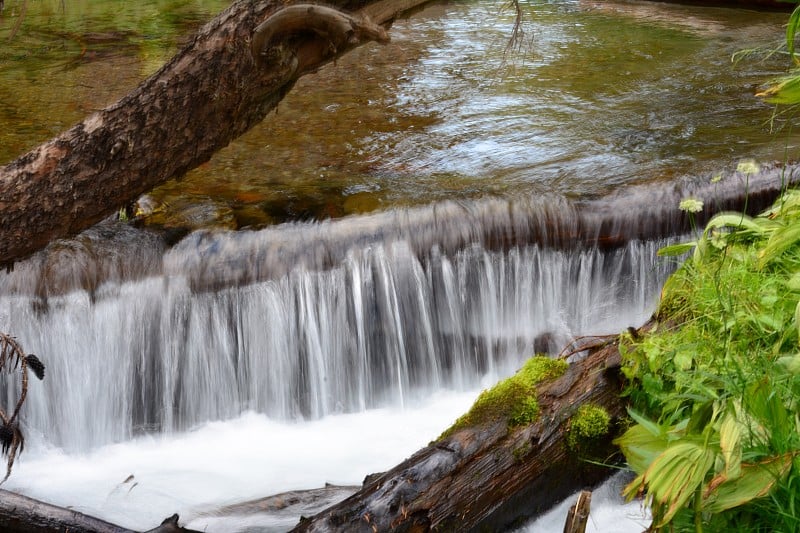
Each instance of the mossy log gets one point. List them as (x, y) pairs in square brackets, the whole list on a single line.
[(490, 477), (21, 514)]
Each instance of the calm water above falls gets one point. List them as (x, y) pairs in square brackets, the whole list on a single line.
[(212, 383), (604, 94)]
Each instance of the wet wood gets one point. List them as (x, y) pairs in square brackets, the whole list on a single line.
[(287, 506), (578, 515), (331, 25), (490, 478), (210, 93), (21, 514)]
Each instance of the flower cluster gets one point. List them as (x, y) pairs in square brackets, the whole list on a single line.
[(691, 205)]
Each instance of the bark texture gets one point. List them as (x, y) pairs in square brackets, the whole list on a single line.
[(489, 478), (207, 95)]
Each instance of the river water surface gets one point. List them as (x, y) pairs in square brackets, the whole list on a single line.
[(363, 262)]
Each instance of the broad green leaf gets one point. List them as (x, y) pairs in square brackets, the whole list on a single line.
[(768, 411), (793, 282), (676, 474), (778, 243), (736, 220), (788, 204), (634, 488), (791, 30), (641, 446), (683, 360), (756, 480), (769, 322), (653, 428), (699, 251), (785, 90), (730, 441), (790, 363), (797, 318), (700, 417)]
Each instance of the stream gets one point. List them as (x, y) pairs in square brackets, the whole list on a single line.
[(360, 266)]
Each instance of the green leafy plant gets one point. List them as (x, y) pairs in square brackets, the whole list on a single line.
[(715, 388)]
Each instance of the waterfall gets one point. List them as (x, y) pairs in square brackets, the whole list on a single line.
[(383, 321)]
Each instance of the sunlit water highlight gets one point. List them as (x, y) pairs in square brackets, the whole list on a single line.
[(601, 95)]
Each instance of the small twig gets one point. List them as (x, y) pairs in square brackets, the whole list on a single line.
[(593, 342), (517, 32), (18, 23)]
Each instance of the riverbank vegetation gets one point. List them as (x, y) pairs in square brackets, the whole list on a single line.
[(714, 388)]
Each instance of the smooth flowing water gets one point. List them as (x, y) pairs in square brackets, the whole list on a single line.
[(400, 252), (137, 370)]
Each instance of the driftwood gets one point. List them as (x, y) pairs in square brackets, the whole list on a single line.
[(490, 478), (21, 514)]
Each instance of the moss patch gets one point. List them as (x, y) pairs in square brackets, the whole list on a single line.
[(514, 398), (589, 423)]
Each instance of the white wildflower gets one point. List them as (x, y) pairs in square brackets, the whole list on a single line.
[(748, 166), (691, 205)]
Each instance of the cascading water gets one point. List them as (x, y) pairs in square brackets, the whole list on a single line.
[(383, 323)]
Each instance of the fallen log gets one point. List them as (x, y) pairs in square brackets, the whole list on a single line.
[(490, 477), (21, 514), (102, 253)]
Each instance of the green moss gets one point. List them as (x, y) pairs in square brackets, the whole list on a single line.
[(514, 398), (589, 423), (542, 368)]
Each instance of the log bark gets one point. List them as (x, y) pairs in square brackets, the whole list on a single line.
[(211, 92), (21, 514), (490, 478)]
